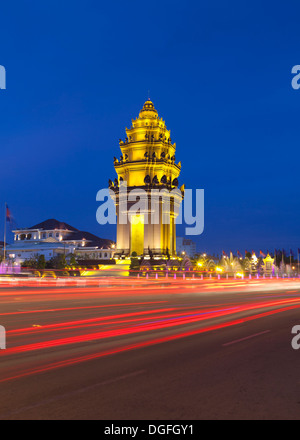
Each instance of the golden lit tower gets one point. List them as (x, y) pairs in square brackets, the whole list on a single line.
[(148, 163)]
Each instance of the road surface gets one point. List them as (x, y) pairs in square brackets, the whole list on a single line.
[(150, 350)]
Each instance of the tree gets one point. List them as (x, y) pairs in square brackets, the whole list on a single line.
[(73, 261), (58, 262), (41, 262), (134, 263), (30, 263)]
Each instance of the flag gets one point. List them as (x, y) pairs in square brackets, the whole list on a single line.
[(224, 254), (8, 215), (239, 254), (262, 254)]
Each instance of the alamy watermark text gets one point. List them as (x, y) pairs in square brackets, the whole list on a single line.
[(2, 338), (2, 77)]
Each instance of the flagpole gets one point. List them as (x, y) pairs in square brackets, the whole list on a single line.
[(4, 246)]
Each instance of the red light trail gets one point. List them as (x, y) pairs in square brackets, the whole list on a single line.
[(178, 310)]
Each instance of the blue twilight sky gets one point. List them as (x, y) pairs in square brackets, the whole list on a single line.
[(218, 72)]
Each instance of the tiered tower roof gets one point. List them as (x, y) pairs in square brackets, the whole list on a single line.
[(148, 155)]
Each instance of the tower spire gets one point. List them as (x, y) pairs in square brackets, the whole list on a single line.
[(147, 161)]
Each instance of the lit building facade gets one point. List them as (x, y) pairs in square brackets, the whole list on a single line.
[(147, 163), (52, 238), (268, 266), (185, 246)]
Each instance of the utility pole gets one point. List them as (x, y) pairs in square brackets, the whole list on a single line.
[(4, 246)]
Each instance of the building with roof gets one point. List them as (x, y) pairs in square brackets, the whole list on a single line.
[(148, 163), (52, 238), (185, 246)]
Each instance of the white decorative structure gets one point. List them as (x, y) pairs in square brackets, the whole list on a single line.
[(52, 237)]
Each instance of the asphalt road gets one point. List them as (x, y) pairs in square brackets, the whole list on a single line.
[(150, 350)]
